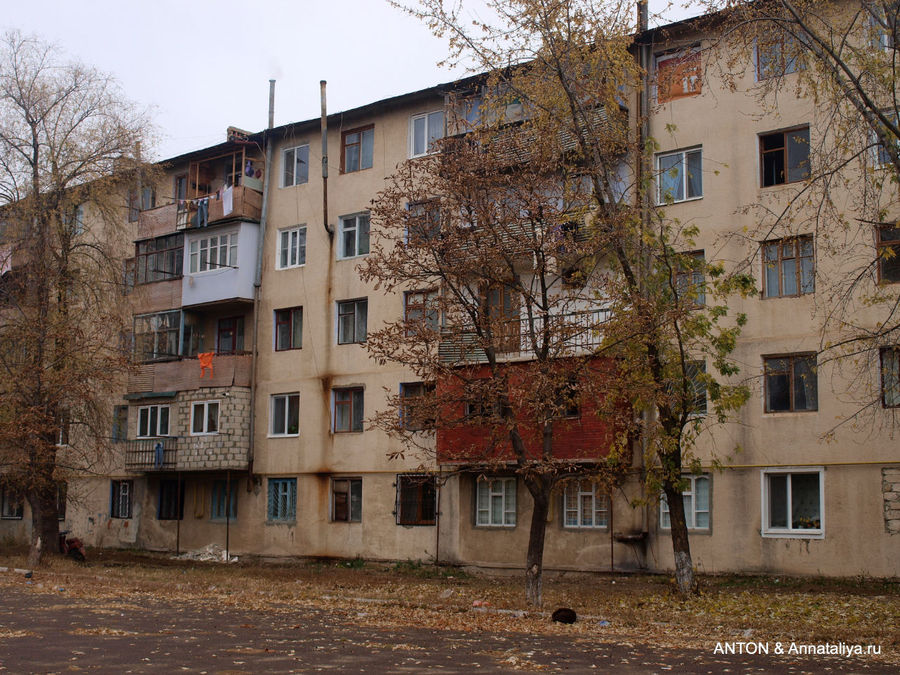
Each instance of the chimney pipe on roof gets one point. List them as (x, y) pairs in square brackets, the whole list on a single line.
[(271, 104), (643, 15), (324, 125)]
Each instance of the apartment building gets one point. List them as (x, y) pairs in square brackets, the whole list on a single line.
[(244, 424)]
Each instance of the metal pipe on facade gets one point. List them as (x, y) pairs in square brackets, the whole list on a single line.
[(257, 280), (324, 125)]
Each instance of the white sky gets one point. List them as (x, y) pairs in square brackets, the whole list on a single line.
[(201, 66)]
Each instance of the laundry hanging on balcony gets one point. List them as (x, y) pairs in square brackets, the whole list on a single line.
[(206, 362), (227, 200)]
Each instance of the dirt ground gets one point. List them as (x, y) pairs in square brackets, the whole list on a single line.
[(114, 612)]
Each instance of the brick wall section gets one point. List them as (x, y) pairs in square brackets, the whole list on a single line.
[(228, 449), (588, 436), (890, 488)]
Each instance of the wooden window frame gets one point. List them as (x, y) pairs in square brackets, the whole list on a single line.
[(344, 146), (797, 246), (349, 406), (785, 149), (290, 317), (412, 493), (793, 359)]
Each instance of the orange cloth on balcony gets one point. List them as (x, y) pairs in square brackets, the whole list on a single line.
[(206, 362)]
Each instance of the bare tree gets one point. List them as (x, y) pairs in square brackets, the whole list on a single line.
[(67, 141), (549, 269)]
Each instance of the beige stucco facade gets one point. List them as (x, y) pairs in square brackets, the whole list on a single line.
[(315, 490)]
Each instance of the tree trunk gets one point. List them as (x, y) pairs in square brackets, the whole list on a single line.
[(44, 523), (534, 561), (681, 547)]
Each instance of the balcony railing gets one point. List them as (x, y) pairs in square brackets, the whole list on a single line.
[(152, 454), (211, 452), (246, 205), (185, 374), (571, 334)]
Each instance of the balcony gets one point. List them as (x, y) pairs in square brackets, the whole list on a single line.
[(247, 205), (228, 273), (183, 374), (189, 453), (572, 334), (151, 454)]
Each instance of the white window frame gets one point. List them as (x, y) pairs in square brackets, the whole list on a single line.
[(205, 405), (791, 532), (690, 514), (284, 165), (293, 235), (661, 199), (502, 488), (195, 247), (158, 431), (599, 504), (428, 117), (283, 400), (352, 222)]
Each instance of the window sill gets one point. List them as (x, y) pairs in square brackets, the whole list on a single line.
[(782, 297), (667, 531), (348, 433), (297, 435), (351, 343), (285, 187), (290, 267), (586, 528), (781, 185), (290, 523), (787, 413), (222, 520), (352, 257), (11, 517), (208, 433), (494, 527), (679, 201), (793, 534), (288, 349)]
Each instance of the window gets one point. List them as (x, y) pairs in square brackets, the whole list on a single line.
[(171, 500), (495, 502), (678, 74), (420, 311), (230, 335), (223, 492), (695, 496), (288, 328), (137, 202), (888, 248), (358, 147), (792, 502), (414, 414), (585, 506), (120, 423), (689, 280), (791, 383), (296, 166), (346, 500), (784, 156), (777, 55), (424, 222), (890, 377), (204, 418), (416, 499), (62, 431), (788, 267), (282, 499), (695, 372), (213, 252), (501, 309), (567, 403), (11, 505), (285, 415), (153, 421), (354, 233), (352, 316), (348, 410), (159, 259), (156, 335), (74, 220), (62, 492), (291, 247), (180, 187), (424, 130), (120, 498), (680, 176)]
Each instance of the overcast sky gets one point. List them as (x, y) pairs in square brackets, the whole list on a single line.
[(202, 66)]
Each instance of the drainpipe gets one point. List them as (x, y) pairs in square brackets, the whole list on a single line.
[(257, 281), (324, 125)]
